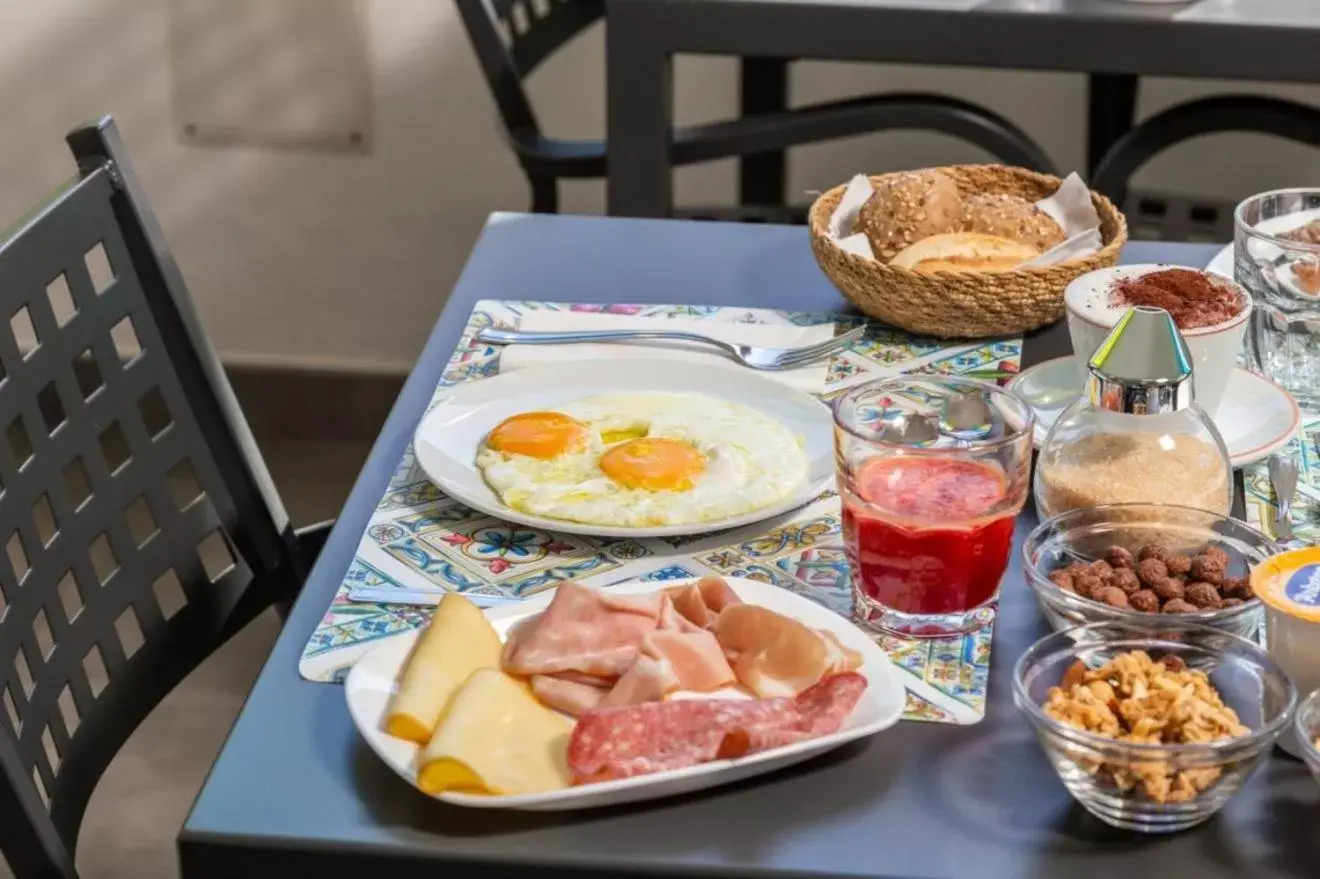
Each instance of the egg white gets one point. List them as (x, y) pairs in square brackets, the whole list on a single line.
[(752, 462)]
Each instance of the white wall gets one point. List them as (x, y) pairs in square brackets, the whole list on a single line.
[(320, 259)]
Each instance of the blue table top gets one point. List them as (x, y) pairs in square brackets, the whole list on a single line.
[(295, 790)]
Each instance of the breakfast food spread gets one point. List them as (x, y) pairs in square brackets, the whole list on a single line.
[(1134, 698), (1156, 579), (642, 460), (498, 718), (1135, 467)]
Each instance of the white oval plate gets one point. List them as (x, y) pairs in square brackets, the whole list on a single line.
[(448, 438), (371, 684), (1256, 416)]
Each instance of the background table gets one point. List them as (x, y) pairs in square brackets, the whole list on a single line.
[(296, 793), (1270, 40)]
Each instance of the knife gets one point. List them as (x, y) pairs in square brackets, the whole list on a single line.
[(1283, 479), (420, 597)]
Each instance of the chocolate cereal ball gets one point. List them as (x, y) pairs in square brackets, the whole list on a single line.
[(1152, 571), (1169, 589), (1204, 595), (1178, 606), (1087, 586), (1125, 579), (1238, 588), (1207, 568), (1233, 602), (1217, 553), (1145, 601), (1153, 551), (1101, 568), (1112, 596), (1118, 557), (1063, 580), (1178, 564)]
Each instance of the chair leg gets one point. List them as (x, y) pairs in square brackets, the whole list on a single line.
[(1111, 110), (545, 196), (763, 89)]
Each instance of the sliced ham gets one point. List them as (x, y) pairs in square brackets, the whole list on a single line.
[(611, 743), (695, 657), (572, 697), (583, 630), (672, 620), (839, 656), (648, 679)]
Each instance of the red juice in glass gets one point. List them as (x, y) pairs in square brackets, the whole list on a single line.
[(927, 535), (928, 528)]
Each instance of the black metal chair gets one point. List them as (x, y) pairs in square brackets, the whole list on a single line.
[(1175, 217), (140, 526), (511, 37)]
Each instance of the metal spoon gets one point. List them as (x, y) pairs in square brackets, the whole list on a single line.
[(1283, 479), (910, 429), (967, 417)]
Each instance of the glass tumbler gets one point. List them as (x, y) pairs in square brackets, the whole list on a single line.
[(1276, 257), (932, 472)]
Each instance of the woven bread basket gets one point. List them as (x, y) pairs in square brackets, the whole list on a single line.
[(964, 304)]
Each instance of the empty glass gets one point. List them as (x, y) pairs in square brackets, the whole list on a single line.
[(1276, 257)]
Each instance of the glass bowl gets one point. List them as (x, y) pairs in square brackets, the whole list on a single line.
[(1085, 535), (1090, 764), (1306, 727)]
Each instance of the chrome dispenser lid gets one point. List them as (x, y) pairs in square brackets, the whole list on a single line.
[(1143, 366)]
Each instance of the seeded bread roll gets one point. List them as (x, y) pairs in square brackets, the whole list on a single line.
[(1008, 216), (964, 252), (907, 207)]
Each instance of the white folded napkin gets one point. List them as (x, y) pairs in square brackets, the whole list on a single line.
[(810, 379)]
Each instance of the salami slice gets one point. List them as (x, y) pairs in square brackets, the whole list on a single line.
[(658, 736)]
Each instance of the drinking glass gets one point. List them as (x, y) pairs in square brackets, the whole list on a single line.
[(1283, 277), (932, 472)]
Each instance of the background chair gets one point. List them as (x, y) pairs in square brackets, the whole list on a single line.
[(140, 527), (511, 37), (1175, 217)]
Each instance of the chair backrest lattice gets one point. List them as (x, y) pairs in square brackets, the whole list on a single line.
[(512, 37), (135, 525)]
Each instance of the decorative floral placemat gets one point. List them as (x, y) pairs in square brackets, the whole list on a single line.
[(419, 537)]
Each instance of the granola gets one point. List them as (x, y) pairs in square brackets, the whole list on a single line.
[(1133, 698)]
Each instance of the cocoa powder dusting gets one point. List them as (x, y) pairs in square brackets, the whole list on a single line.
[(1192, 298)]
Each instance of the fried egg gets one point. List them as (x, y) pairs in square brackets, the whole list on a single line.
[(642, 460)]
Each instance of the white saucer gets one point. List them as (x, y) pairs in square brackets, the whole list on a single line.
[(447, 441), (1256, 416)]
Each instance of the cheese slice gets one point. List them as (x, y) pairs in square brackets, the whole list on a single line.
[(496, 739), (458, 641)]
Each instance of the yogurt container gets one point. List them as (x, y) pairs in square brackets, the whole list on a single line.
[(1288, 586)]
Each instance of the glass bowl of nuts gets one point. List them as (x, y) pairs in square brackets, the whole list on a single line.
[(1152, 726), (1132, 562), (1306, 728)]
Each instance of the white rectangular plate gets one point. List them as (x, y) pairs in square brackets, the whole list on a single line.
[(372, 683)]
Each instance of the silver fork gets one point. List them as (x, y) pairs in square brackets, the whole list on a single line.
[(748, 355)]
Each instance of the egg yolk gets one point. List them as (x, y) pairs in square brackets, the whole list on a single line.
[(538, 434), (653, 464)]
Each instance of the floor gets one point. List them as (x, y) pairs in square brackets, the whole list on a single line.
[(143, 799)]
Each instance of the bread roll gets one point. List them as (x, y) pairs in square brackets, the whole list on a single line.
[(1008, 216), (907, 207), (964, 252)]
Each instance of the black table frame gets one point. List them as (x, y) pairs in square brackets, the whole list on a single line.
[(1089, 36)]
